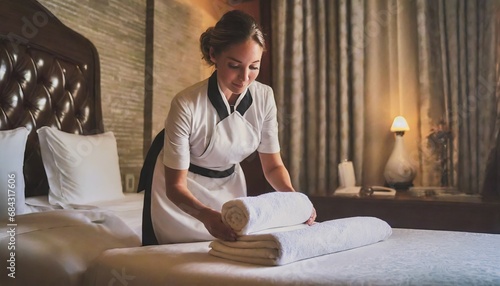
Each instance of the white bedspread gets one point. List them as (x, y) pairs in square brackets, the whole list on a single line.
[(128, 208), (56, 247), (408, 257)]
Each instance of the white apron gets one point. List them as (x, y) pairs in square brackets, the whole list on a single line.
[(233, 140)]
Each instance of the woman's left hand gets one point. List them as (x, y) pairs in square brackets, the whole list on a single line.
[(312, 218)]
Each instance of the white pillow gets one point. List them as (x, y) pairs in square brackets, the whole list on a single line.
[(80, 169), (12, 146)]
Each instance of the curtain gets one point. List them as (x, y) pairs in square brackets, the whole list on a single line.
[(342, 70), (491, 186)]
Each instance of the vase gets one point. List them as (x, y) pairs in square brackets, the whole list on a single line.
[(399, 171)]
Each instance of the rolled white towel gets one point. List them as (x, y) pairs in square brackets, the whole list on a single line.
[(289, 246), (276, 209)]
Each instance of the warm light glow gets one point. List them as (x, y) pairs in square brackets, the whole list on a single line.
[(399, 124)]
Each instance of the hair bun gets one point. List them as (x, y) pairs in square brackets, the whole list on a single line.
[(233, 27), (205, 45)]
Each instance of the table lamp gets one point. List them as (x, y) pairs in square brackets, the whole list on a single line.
[(399, 172)]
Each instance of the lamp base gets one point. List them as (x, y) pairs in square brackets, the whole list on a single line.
[(399, 171), (400, 187)]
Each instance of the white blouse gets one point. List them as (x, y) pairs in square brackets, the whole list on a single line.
[(192, 119), (202, 133)]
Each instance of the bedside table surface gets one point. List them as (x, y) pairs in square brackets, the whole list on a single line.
[(450, 212)]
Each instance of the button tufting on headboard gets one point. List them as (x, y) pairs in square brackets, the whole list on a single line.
[(47, 78)]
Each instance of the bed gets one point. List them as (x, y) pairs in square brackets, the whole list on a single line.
[(50, 89), (408, 257)]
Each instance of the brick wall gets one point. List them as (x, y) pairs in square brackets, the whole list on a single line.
[(116, 28), (178, 25)]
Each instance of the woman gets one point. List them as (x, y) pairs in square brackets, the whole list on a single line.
[(211, 127)]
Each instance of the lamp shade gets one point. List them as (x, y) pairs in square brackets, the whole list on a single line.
[(399, 124)]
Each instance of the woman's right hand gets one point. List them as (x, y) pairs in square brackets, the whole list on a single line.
[(213, 223), (178, 193)]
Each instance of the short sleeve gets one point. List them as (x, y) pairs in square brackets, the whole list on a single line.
[(269, 135), (176, 154)]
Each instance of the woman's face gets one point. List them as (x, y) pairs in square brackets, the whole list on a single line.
[(238, 66)]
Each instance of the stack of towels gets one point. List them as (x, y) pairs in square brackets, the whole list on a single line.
[(272, 230)]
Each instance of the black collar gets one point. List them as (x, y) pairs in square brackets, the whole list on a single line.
[(218, 103)]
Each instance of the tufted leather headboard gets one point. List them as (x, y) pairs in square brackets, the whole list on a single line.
[(49, 76)]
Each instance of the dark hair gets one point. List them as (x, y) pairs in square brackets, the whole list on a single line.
[(234, 27)]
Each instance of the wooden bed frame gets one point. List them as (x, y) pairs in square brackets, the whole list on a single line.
[(49, 76)]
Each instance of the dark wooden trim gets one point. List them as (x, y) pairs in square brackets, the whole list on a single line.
[(265, 75), (148, 77)]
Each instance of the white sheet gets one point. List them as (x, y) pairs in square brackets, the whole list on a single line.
[(39, 204), (56, 247), (128, 208), (408, 257)]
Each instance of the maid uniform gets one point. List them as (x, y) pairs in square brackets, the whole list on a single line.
[(207, 136)]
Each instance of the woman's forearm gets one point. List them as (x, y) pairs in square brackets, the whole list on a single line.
[(279, 179), (178, 193), (275, 172)]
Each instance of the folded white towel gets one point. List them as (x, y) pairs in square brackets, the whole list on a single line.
[(281, 248), (276, 209)]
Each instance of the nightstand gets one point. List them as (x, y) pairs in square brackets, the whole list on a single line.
[(405, 211)]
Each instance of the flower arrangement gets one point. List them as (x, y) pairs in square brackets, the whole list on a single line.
[(439, 142)]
